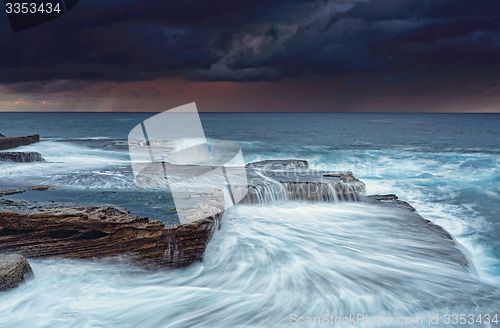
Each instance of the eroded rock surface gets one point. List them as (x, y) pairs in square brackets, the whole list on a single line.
[(96, 232), (14, 268)]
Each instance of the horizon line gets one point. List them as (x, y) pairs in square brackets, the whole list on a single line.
[(245, 112)]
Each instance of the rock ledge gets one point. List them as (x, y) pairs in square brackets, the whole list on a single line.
[(96, 232), (7, 143), (21, 157)]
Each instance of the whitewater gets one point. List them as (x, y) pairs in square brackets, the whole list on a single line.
[(272, 261)]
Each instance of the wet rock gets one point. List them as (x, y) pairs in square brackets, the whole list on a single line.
[(40, 187), (21, 157), (8, 143), (279, 164), (454, 253), (346, 176), (389, 199), (270, 181), (12, 191), (97, 232), (14, 268)]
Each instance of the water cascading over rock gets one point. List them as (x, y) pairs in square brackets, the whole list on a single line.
[(271, 181), (21, 157)]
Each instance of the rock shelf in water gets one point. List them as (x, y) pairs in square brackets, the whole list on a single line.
[(104, 232), (270, 181), (21, 157), (97, 232), (12, 191), (13, 142)]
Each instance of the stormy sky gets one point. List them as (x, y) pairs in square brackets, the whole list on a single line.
[(289, 55)]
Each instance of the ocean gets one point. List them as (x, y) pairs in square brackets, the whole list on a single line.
[(271, 263)]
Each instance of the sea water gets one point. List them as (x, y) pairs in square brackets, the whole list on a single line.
[(272, 261)]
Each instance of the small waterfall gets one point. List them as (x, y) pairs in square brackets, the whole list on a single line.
[(270, 192), (21, 157), (324, 191), (271, 181)]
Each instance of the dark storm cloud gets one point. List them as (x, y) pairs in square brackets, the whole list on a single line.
[(253, 40)]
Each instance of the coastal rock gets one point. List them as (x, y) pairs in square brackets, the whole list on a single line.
[(97, 232), (278, 180), (279, 164), (390, 200), (21, 157), (2, 136), (12, 191), (107, 232), (14, 268), (453, 253), (8, 143)]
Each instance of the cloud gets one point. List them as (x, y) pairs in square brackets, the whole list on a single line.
[(224, 40)]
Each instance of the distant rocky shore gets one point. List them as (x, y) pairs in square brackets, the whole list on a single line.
[(19, 157)]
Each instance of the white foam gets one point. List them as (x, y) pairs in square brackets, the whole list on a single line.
[(266, 263), (61, 160)]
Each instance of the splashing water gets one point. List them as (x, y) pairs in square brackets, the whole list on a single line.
[(273, 260), (275, 191), (266, 264)]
